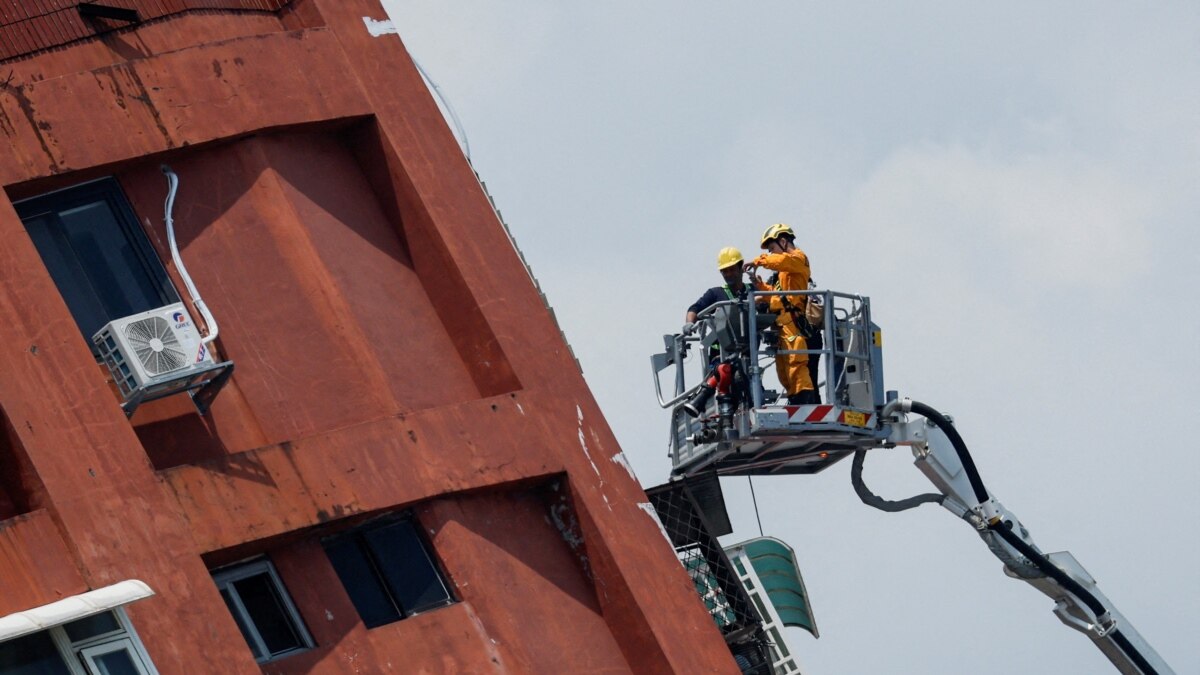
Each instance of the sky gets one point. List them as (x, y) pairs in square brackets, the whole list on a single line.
[(1015, 187)]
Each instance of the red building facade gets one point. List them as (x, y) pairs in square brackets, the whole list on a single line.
[(406, 468)]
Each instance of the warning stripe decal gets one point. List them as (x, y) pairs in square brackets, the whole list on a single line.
[(819, 413), (807, 414)]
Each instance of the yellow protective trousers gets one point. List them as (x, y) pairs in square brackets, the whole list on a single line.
[(794, 275), (793, 368)]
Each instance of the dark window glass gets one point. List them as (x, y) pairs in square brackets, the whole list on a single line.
[(262, 610), (406, 567), (362, 582), (240, 619), (117, 663), (262, 602), (91, 626), (31, 655), (387, 572), (96, 253)]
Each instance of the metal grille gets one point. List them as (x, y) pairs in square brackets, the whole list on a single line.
[(31, 26), (716, 581), (156, 345)]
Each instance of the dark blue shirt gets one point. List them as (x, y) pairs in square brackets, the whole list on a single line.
[(714, 295)]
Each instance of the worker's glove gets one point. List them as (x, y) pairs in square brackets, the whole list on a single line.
[(689, 328)]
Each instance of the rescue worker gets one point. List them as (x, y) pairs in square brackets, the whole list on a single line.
[(724, 377), (731, 265), (793, 274)]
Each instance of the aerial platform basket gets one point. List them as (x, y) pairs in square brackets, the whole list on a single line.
[(747, 430)]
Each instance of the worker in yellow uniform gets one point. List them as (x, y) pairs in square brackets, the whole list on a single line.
[(794, 273)]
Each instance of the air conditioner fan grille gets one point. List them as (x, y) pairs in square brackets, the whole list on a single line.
[(155, 345)]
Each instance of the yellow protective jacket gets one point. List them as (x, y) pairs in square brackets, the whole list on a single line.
[(794, 275)]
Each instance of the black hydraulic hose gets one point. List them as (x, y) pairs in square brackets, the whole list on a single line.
[(871, 499), (1140, 661), (941, 422), (1004, 530)]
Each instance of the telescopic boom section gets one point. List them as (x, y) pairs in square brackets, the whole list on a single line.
[(942, 456)]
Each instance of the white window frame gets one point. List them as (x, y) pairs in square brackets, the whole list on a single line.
[(124, 644), (75, 654), (225, 578)]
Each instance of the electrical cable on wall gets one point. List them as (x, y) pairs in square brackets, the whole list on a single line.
[(209, 322)]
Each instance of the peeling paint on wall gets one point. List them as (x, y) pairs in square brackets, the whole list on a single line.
[(563, 517), (620, 460), (649, 509), (583, 444), (380, 28)]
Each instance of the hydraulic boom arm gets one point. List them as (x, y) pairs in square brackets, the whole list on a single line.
[(942, 456), (733, 426)]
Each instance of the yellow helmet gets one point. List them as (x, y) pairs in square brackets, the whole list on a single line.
[(775, 231), (728, 257)]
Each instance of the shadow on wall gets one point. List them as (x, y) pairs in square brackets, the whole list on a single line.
[(509, 559), (297, 241), (21, 491)]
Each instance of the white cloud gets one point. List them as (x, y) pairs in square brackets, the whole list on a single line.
[(485, 48), (1032, 221)]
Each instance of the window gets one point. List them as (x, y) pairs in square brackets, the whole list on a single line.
[(97, 254), (387, 571), (101, 644), (263, 610)]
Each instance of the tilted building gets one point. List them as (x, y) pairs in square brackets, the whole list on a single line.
[(398, 468)]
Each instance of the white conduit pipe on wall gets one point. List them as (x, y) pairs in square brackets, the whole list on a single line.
[(197, 302)]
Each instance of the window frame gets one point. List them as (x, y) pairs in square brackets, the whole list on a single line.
[(226, 576), (72, 653), (126, 633), (358, 536), (107, 189), (124, 644)]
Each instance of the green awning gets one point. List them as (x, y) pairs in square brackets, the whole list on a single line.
[(774, 562)]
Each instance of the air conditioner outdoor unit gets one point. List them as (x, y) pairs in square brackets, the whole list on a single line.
[(154, 354)]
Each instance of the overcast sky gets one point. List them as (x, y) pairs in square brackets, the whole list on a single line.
[(1015, 185)]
